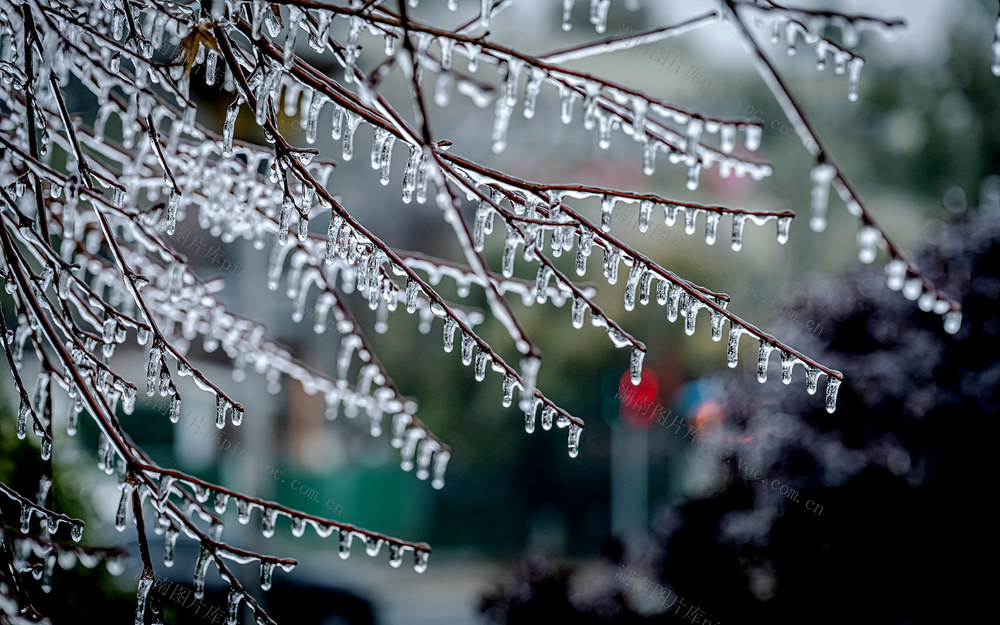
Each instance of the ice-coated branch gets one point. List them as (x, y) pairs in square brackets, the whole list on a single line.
[(614, 44), (902, 275)]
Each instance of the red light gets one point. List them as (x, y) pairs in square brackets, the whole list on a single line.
[(638, 401)]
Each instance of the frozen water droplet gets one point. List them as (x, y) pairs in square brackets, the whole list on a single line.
[(221, 502), (344, 549), (200, 570), (738, 223), (788, 361), (440, 464), (123, 507), (420, 560), (567, 15), (896, 274), (635, 365), (221, 406), (853, 76), (821, 176), (169, 543), (579, 307), (22, 417), (812, 379), (611, 260), (574, 440), (832, 386), (233, 601), (395, 555), (752, 134), (267, 521), (711, 227), (952, 321), (762, 356), (372, 545), (266, 574), (449, 333), (508, 389), (868, 238), (784, 224)]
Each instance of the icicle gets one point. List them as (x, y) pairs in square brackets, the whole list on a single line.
[(266, 574), (607, 206), (420, 559), (508, 389), (635, 365), (605, 123), (717, 320), (644, 282), (482, 359), (312, 117), (784, 223), (221, 406), (169, 542), (229, 127), (579, 307), (353, 121), (287, 206), (670, 214), (762, 354), (752, 134), (853, 76), (868, 238), (952, 321), (548, 413), (410, 173), (574, 440), (22, 418), (142, 592), (896, 273), (221, 502), (412, 290), (788, 361), (483, 211), (821, 176), (673, 302), (267, 521), (26, 512), (440, 464), (344, 549), (509, 252), (812, 379), (711, 227), (645, 212), (123, 506), (542, 282), (566, 97), (567, 18), (200, 570), (611, 260), (733, 348), (832, 386), (631, 283), (691, 308), (235, 595), (449, 333), (738, 223), (468, 343), (395, 555), (583, 249), (153, 368)]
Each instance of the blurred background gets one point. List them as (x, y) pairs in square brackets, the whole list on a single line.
[(748, 501)]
